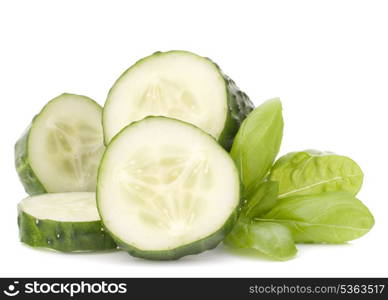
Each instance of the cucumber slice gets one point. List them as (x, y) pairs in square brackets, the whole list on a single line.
[(61, 149), (180, 85), (159, 192), (67, 222)]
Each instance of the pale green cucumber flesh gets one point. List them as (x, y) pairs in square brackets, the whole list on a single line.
[(159, 194), (61, 149), (180, 85), (207, 243)]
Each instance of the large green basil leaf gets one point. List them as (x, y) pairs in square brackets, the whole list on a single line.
[(313, 172), (260, 199), (331, 217), (257, 142), (271, 239)]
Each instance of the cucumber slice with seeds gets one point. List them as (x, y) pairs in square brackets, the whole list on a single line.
[(159, 192), (180, 85), (67, 222), (61, 149)]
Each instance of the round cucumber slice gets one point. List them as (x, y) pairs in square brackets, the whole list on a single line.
[(180, 85), (167, 189), (67, 222), (61, 149)]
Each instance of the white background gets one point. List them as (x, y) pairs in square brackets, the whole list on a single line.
[(327, 60)]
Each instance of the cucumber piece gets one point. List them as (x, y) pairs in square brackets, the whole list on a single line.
[(61, 149), (180, 85), (159, 191), (67, 222)]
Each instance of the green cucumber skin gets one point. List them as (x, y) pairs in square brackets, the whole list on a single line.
[(239, 104), (63, 236), (30, 181), (239, 107), (206, 243), (27, 176)]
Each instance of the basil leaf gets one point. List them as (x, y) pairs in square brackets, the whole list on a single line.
[(238, 237), (257, 142), (271, 239), (313, 172), (260, 199), (331, 217)]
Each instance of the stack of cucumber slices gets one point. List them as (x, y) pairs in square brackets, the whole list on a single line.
[(150, 161), (177, 161)]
